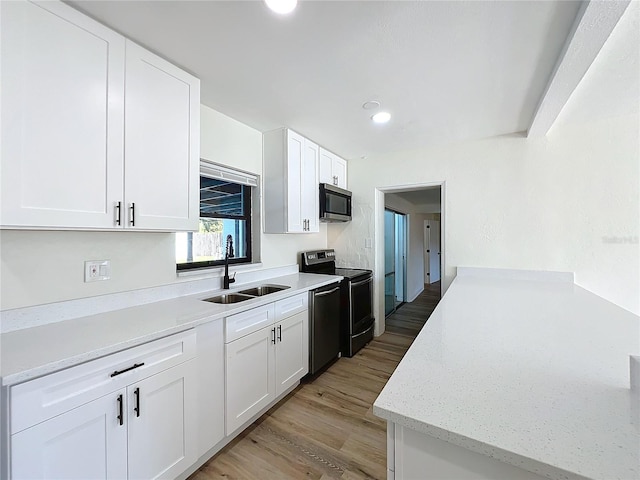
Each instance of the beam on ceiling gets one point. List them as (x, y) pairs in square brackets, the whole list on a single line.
[(594, 23)]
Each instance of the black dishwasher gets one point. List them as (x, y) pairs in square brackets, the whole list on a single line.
[(324, 326)]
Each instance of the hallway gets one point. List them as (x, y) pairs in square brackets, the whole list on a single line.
[(409, 318)]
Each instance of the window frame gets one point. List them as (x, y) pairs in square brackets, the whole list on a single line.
[(247, 200)]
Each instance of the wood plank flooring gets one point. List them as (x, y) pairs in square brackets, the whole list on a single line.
[(411, 317), (325, 429)]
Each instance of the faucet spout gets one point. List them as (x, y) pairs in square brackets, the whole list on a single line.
[(226, 281)]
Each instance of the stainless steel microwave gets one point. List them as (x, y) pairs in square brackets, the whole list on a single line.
[(335, 204)]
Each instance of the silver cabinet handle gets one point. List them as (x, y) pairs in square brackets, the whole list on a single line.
[(328, 292)]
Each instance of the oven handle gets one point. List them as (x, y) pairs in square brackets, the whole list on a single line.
[(362, 333), (357, 284), (322, 294)]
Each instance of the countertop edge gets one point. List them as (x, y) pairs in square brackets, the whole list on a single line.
[(526, 463)]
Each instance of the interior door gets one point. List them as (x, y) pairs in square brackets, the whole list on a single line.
[(433, 227), (400, 257)]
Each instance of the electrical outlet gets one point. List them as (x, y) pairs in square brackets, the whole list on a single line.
[(97, 270)]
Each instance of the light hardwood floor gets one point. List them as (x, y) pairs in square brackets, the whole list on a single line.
[(411, 317), (324, 429)]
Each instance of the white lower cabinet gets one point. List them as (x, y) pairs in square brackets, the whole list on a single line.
[(265, 363), (144, 428), (162, 424), (250, 382), (86, 443), (292, 353)]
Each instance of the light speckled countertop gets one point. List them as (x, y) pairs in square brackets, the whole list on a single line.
[(32, 352), (533, 373)]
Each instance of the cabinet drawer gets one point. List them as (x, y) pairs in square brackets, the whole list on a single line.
[(244, 323), (292, 305), (40, 399)]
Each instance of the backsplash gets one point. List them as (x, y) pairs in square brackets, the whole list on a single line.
[(19, 318)]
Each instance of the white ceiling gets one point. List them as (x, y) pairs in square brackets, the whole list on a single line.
[(447, 71)]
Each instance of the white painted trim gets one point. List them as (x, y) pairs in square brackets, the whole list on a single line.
[(378, 244), (413, 297), (593, 25)]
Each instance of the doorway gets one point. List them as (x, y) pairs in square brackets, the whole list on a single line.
[(419, 202), (395, 254)]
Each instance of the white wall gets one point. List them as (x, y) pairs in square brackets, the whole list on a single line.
[(38, 267), (555, 203)]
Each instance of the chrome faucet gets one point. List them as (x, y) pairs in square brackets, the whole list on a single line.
[(228, 254)]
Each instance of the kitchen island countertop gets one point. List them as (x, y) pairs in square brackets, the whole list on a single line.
[(530, 371)]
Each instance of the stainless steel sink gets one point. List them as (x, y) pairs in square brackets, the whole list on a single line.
[(229, 298), (263, 290)]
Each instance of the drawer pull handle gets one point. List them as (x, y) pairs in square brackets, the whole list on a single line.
[(132, 220), (136, 392), (118, 372), (119, 210), (273, 335), (280, 332), (120, 416)]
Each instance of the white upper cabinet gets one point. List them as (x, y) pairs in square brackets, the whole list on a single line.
[(162, 121), (290, 170), (62, 117), (68, 158), (333, 169)]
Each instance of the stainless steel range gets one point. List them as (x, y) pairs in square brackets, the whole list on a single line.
[(356, 298)]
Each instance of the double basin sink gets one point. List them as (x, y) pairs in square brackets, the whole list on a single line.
[(247, 294)]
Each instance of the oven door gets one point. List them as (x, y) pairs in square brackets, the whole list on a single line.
[(360, 304)]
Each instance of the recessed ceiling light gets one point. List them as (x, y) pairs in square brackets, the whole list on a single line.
[(381, 117), (281, 6), (371, 105)]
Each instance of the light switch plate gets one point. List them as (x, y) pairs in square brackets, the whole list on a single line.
[(97, 270)]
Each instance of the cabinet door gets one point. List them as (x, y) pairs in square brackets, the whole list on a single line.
[(340, 172), (162, 143), (162, 423), (292, 351), (85, 443), (310, 191), (325, 167), (250, 379), (62, 117), (295, 153)]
